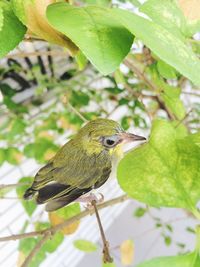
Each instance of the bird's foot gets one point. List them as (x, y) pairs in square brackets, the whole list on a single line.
[(88, 199)]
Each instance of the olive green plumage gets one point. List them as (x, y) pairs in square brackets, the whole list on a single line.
[(83, 163)]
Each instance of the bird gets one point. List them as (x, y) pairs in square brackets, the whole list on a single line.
[(82, 164)]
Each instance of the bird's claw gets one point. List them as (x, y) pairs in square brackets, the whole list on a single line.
[(92, 197)]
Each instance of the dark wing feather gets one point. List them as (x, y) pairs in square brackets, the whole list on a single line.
[(70, 174)]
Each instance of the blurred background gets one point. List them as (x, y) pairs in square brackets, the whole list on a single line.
[(45, 97)]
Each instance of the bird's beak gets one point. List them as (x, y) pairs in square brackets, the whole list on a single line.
[(129, 137)]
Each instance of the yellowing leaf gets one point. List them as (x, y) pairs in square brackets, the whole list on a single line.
[(59, 216), (45, 134), (21, 258), (13, 155), (127, 252), (33, 14), (190, 8), (65, 124)]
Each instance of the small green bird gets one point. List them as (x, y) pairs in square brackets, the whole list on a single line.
[(82, 164)]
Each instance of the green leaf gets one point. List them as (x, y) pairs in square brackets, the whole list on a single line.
[(79, 99), (85, 245), (103, 40), (168, 240), (163, 43), (30, 205), (10, 104), (189, 260), (17, 128), (139, 212), (98, 2), (39, 149), (108, 265), (13, 155), (193, 27), (7, 90), (125, 122), (1, 18), (136, 3), (27, 245), (52, 244), (18, 7), (164, 171), (171, 97), (69, 211), (167, 14), (81, 60), (113, 90), (12, 31), (2, 156), (165, 70)]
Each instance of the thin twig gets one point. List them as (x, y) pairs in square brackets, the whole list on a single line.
[(66, 102), (142, 76), (184, 118), (106, 253), (36, 249), (190, 93), (77, 112), (71, 220), (3, 186)]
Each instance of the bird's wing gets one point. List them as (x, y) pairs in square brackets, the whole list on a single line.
[(71, 170)]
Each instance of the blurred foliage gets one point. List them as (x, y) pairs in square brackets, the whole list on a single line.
[(45, 93), (62, 215)]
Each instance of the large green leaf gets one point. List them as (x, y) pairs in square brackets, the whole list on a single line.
[(11, 31), (169, 94), (165, 171), (163, 43), (102, 38), (171, 97), (165, 70), (1, 17), (167, 14), (189, 260)]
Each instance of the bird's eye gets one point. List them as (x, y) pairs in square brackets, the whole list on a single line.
[(110, 141)]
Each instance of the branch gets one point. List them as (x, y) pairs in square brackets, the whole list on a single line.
[(131, 64), (66, 102), (71, 220), (36, 249), (106, 253), (2, 186)]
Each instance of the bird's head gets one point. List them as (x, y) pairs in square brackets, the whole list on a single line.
[(104, 134)]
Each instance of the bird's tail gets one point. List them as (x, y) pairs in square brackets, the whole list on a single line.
[(29, 193)]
